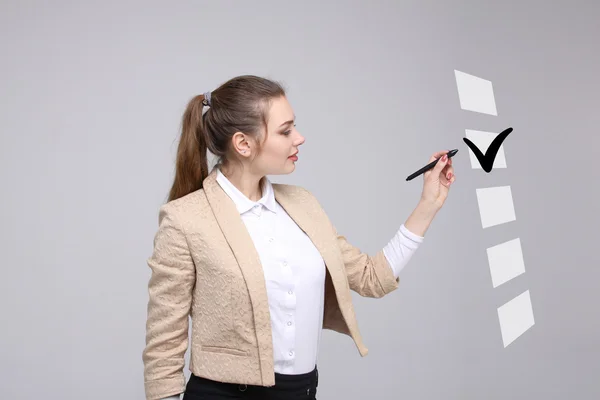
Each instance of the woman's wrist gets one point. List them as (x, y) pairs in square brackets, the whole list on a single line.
[(419, 220)]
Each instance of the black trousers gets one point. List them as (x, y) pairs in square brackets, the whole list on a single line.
[(287, 387)]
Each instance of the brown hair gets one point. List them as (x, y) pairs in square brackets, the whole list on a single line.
[(239, 105)]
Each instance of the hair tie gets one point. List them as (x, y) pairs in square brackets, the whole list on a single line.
[(206, 100)]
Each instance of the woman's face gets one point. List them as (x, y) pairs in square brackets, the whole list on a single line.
[(282, 141)]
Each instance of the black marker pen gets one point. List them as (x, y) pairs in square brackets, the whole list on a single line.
[(429, 166)]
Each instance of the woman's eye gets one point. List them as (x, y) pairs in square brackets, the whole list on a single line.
[(288, 132)]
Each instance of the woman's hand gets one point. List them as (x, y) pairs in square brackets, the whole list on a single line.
[(437, 181)]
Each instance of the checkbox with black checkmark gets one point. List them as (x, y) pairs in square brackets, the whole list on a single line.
[(492, 155)]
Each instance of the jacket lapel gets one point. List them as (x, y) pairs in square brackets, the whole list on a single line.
[(311, 222), (241, 244)]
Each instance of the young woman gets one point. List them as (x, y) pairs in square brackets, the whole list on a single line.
[(258, 266)]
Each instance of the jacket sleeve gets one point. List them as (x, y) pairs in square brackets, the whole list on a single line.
[(369, 276), (170, 296)]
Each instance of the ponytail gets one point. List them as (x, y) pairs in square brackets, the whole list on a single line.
[(191, 167)]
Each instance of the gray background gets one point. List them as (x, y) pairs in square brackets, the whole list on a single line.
[(92, 96)]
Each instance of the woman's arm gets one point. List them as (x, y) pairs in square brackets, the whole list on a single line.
[(170, 297), (376, 276), (419, 220), (369, 276)]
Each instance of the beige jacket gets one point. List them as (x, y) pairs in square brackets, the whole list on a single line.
[(204, 264)]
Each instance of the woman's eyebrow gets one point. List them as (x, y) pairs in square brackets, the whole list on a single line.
[(288, 122)]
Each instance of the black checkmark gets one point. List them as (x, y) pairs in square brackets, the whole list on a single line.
[(487, 160)]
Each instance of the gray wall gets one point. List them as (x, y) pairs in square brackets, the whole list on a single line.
[(92, 96)]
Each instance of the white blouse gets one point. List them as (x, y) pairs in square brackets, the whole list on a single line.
[(295, 276)]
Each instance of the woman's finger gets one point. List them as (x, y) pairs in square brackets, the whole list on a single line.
[(440, 165), (449, 174), (437, 155), (448, 171)]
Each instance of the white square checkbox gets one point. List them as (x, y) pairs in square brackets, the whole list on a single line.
[(516, 317), (495, 205), (482, 140), (505, 261), (475, 94)]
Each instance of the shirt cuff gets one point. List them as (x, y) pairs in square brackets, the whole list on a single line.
[(412, 236), (400, 249)]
